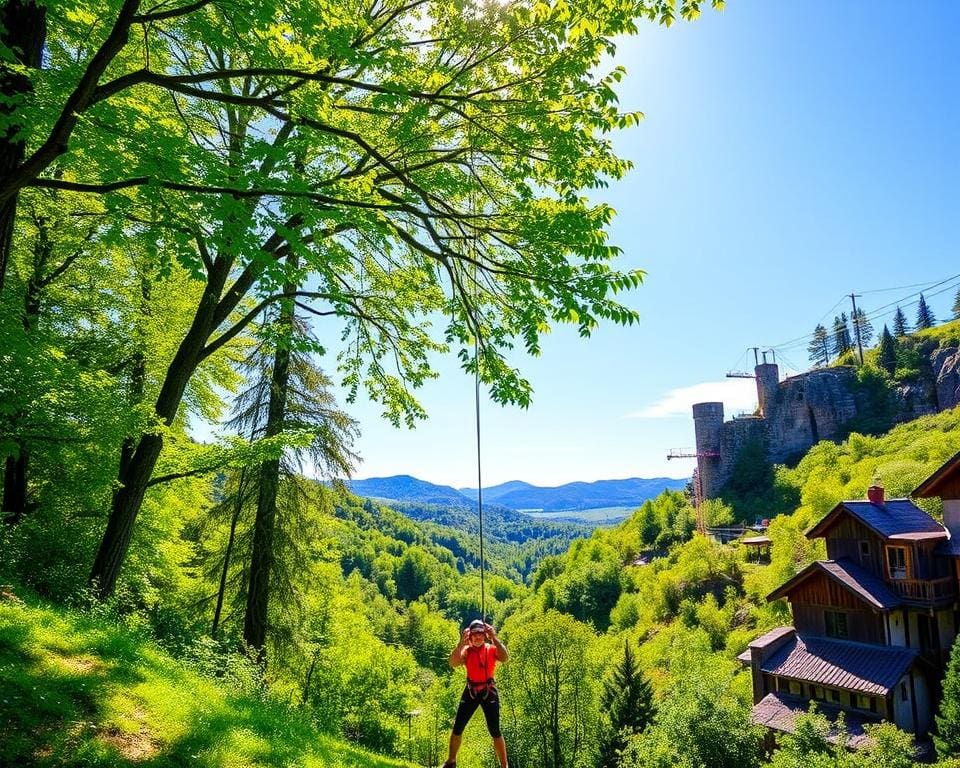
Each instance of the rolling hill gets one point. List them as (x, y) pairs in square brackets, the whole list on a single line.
[(518, 495)]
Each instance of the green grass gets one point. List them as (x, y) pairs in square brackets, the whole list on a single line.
[(76, 691), (946, 334)]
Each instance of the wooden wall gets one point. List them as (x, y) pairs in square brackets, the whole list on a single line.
[(843, 540), (819, 593)]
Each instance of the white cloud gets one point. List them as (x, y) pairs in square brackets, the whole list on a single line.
[(737, 395)]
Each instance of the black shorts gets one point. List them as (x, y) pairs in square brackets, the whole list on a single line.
[(488, 700)]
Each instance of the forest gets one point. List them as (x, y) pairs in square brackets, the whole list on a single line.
[(210, 212)]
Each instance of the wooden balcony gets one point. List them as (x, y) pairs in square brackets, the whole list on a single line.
[(924, 590)]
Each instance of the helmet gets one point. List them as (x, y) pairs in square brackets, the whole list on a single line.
[(477, 625)]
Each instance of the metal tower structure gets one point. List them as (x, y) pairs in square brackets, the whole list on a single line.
[(695, 482)]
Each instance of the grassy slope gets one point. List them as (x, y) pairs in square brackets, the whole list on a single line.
[(75, 691)]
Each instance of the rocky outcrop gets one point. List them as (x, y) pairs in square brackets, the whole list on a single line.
[(945, 363), (823, 404)]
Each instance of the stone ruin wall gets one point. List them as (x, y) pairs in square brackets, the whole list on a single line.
[(800, 411)]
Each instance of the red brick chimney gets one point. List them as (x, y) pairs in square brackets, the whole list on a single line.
[(875, 494)]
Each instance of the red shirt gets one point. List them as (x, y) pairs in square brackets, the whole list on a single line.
[(480, 662)]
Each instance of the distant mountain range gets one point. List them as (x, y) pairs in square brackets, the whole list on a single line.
[(519, 495)]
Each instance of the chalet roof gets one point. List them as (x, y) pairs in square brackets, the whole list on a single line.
[(863, 584), (892, 518), (931, 485), (949, 548), (869, 669), (780, 711)]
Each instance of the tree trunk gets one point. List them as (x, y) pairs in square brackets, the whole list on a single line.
[(15, 486), (16, 469), (263, 556), (134, 477), (24, 30), (234, 519)]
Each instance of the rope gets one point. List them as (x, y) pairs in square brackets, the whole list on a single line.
[(472, 200), (476, 376)]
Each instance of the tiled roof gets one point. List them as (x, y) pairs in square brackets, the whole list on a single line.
[(849, 575), (949, 548), (779, 711), (893, 517), (870, 669), (771, 637)]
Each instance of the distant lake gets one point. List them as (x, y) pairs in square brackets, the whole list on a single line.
[(607, 515)]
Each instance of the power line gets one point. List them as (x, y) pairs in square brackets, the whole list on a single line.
[(948, 282)]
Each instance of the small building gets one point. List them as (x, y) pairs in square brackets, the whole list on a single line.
[(874, 623)]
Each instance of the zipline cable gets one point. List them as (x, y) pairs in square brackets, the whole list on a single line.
[(472, 202), (476, 377)]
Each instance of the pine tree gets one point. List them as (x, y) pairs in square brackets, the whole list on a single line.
[(288, 393), (900, 328), (888, 351), (956, 306), (627, 700), (841, 335), (819, 347), (861, 324), (947, 738), (925, 318)]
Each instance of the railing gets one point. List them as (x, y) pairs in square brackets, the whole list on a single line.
[(924, 590)]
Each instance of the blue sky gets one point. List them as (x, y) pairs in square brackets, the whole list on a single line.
[(792, 152)]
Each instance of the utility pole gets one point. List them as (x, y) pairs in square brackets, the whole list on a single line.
[(856, 325)]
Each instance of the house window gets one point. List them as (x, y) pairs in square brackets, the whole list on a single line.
[(818, 693), (834, 695), (795, 688), (897, 562), (836, 624), (864, 551), (866, 702), (903, 691)]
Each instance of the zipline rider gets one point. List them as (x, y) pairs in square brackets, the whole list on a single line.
[(479, 650)]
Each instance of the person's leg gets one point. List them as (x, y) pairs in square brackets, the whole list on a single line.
[(491, 712), (500, 747), (453, 749), (468, 705)]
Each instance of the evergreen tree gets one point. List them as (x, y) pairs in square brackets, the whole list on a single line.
[(947, 738), (956, 306), (288, 393), (627, 700), (841, 335), (861, 324), (888, 351), (900, 328), (819, 347), (925, 318)]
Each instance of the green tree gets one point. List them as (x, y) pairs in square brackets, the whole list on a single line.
[(956, 306), (947, 737), (900, 328), (841, 335), (627, 705), (406, 191), (862, 325), (888, 352), (552, 708), (925, 317), (699, 723), (819, 347), (416, 574)]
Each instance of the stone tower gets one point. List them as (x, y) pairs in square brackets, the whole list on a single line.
[(768, 385), (708, 428)]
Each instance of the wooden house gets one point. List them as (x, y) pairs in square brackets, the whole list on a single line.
[(874, 623)]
